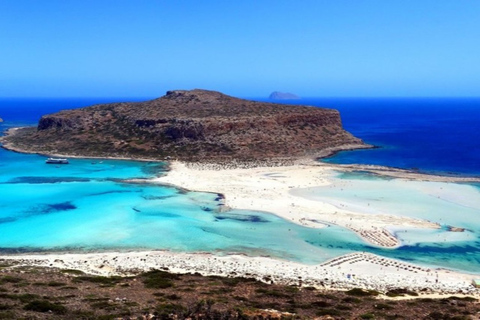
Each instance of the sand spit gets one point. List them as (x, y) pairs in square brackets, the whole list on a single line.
[(349, 271), (269, 189), (404, 174)]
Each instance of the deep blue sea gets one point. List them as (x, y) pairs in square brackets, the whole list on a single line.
[(434, 135), (91, 205)]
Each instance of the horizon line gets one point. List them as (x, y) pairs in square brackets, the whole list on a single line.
[(247, 97)]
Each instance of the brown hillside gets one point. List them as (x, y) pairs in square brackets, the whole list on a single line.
[(188, 125)]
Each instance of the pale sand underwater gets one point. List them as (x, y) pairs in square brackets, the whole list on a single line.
[(278, 190), (284, 191)]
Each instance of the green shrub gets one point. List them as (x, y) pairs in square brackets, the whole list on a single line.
[(362, 293), (367, 316), (401, 292), (436, 315), (27, 297), (106, 281), (232, 282), (10, 279), (272, 293), (470, 299), (343, 307), (5, 306), (326, 296), (103, 305), (351, 300), (321, 304), (383, 306), (7, 315), (158, 294), (56, 284), (157, 279), (45, 306), (39, 284), (166, 309)]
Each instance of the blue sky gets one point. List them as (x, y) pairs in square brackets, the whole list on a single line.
[(248, 48)]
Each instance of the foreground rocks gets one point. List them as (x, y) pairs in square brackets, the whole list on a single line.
[(187, 125)]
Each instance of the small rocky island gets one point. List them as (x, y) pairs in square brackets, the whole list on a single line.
[(276, 95), (187, 125), (1, 120)]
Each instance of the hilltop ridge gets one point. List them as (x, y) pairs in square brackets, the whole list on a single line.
[(188, 125)]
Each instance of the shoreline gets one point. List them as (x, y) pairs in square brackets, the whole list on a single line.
[(354, 270), (190, 176), (275, 162), (274, 190), (386, 171), (278, 161)]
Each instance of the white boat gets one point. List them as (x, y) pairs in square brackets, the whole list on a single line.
[(56, 161)]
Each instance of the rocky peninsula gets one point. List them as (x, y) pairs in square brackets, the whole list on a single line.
[(191, 125)]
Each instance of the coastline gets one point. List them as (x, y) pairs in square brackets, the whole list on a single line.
[(8, 146), (355, 270), (242, 185), (275, 162), (275, 190)]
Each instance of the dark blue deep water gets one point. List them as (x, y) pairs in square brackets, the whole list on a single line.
[(434, 135)]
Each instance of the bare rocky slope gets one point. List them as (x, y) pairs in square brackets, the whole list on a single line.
[(188, 125)]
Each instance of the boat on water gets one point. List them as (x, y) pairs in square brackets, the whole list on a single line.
[(56, 161)]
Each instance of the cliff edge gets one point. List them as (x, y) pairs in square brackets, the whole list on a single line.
[(187, 125)]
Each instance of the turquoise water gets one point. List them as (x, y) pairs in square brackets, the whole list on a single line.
[(88, 205), (91, 205), (448, 204)]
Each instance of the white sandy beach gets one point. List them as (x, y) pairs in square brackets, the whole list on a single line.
[(269, 189), (350, 271)]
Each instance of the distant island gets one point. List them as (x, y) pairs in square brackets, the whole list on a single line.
[(186, 125), (276, 95), (1, 120)]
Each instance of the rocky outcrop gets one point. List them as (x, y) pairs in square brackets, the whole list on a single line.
[(1, 120), (276, 95), (188, 125)]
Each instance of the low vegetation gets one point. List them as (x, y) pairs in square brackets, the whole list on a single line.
[(43, 293)]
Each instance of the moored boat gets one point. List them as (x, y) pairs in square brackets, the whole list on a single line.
[(56, 161)]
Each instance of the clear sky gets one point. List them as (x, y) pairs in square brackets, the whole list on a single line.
[(246, 48)]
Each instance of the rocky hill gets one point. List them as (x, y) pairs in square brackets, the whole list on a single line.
[(188, 125)]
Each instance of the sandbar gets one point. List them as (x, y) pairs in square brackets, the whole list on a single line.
[(269, 189)]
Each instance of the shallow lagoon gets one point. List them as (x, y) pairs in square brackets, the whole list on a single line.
[(448, 204), (88, 205)]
